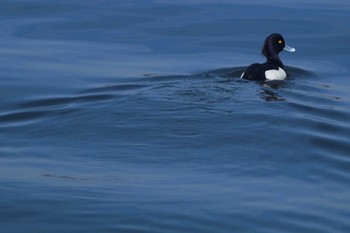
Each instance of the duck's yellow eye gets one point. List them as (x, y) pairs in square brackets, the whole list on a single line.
[(280, 41)]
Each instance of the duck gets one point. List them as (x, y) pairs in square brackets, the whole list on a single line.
[(273, 68)]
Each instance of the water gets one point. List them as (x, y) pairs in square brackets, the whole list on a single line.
[(129, 116)]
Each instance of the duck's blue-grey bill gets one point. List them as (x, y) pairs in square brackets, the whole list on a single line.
[(289, 49)]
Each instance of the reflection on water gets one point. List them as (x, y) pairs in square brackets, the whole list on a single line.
[(269, 95)]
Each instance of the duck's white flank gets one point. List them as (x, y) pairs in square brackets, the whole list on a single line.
[(242, 75), (279, 74)]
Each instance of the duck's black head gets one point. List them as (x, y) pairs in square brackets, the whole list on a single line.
[(273, 45)]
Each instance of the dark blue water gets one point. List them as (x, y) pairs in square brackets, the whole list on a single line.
[(129, 116)]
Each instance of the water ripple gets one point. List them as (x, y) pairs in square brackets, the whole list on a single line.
[(29, 111)]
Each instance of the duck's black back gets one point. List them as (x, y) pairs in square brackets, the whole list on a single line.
[(256, 71)]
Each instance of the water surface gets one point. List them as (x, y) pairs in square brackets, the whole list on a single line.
[(130, 116)]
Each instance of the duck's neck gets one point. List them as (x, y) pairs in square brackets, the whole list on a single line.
[(275, 61)]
